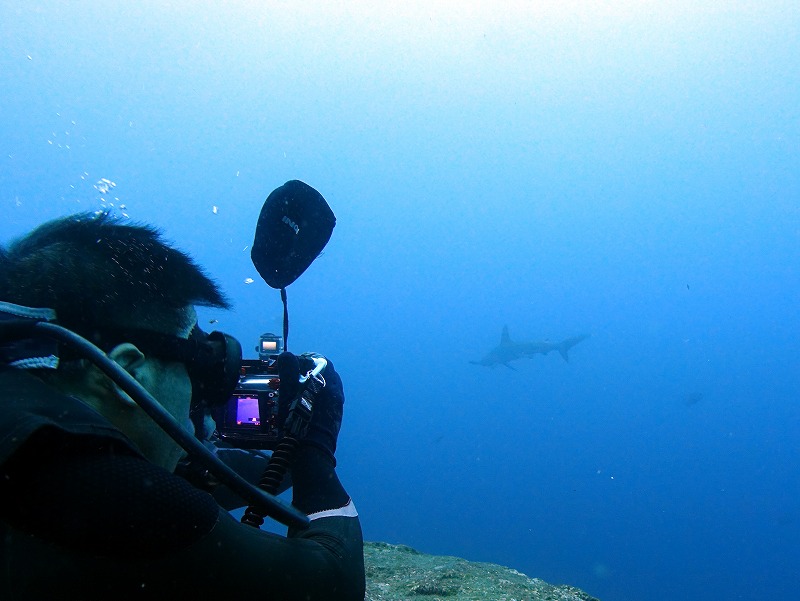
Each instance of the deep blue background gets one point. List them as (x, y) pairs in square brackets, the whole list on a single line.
[(625, 169)]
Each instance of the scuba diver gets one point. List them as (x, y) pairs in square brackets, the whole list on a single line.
[(90, 506)]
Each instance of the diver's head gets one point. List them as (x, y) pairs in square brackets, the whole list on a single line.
[(106, 280)]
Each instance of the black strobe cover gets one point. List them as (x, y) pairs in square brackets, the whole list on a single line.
[(294, 226)]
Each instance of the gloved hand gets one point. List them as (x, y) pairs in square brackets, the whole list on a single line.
[(326, 417)]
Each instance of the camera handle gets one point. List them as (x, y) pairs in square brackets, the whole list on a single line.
[(295, 429)]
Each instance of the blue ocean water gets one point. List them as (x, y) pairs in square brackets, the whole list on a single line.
[(629, 170)]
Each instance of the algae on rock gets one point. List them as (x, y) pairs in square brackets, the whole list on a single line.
[(397, 572)]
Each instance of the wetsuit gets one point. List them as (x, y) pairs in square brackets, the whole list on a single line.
[(84, 516)]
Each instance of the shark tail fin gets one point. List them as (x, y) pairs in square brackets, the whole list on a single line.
[(567, 344)]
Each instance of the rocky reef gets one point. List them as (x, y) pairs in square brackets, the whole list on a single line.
[(397, 572)]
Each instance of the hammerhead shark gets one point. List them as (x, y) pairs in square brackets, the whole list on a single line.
[(509, 350)]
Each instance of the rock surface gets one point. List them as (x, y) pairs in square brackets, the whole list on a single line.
[(397, 572)]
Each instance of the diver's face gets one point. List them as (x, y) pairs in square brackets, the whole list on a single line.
[(171, 387), (168, 382)]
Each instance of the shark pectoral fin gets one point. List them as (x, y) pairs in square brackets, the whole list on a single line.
[(510, 367), (562, 350)]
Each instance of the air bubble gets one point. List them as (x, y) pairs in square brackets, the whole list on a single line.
[(103, 185)]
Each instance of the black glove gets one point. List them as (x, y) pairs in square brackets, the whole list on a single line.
[(326, 417)]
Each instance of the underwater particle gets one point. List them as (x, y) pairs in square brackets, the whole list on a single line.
[(214, 209), (30, 58), (249, 280), (692, 398), (601, 570), (245, 248), (122, 207), (237, 174), (213, 321)]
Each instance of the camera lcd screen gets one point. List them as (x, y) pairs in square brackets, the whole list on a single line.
[(247, 413), (269, 346), (248, 420)]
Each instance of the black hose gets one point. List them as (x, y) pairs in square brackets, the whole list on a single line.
[(271, 478)]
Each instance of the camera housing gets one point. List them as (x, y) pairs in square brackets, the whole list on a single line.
[(249, 420)]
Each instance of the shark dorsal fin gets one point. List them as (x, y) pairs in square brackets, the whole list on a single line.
[(504, 337)]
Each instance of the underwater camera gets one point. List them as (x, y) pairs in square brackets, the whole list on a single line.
[(249, 420)]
